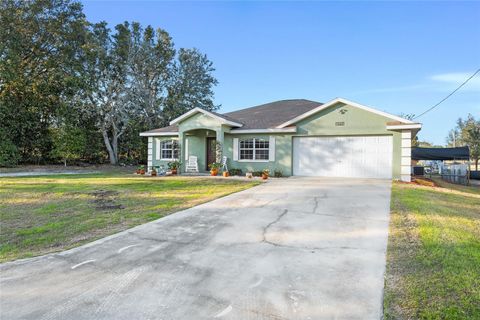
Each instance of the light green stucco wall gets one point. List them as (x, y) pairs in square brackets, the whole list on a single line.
[(357, 122), (283, 151)]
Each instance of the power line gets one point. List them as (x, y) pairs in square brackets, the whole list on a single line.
[(451, 94)]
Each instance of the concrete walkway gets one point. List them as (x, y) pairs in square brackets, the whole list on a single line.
[(298, 248)]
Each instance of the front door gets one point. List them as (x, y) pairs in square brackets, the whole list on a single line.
[(211, 152)]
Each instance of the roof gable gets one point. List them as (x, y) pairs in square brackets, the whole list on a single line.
[(219, 117), (344, 101)]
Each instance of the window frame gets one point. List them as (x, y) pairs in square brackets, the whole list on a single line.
[(253, 149), (175, 147)]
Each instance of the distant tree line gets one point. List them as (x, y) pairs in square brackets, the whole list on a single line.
[(74, 90)]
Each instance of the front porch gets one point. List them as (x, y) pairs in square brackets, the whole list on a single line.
[(203, 144)]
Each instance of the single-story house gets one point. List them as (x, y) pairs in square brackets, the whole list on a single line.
[(300, 137)]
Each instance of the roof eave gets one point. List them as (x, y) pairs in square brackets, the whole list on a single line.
[(268, 130), (157, 134)]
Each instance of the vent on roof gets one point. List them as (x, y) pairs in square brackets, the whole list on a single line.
[(339, 124)]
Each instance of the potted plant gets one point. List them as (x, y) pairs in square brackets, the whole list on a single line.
[(173, 166), (154, 172), (226, 173), (142, 169), (214, 168), (139, 168), (265, 174)]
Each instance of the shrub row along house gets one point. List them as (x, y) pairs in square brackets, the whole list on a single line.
[(340, 138)]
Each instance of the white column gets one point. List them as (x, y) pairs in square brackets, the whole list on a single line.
[(150, 154), (406, 153)]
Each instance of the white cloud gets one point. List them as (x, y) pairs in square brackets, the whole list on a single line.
[(457, 78), (443, 82)]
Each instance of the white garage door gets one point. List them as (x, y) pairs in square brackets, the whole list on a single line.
[(357, 157)]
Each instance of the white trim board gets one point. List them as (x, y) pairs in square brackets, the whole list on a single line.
[(271, 130), (404, 126), (158, 134), (344, 101), (205, 112)]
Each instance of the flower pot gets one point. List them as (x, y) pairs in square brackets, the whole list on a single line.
[(213, 172), (264, 176), (142, 171), (226, 174), (174, 171), (154, 173), (138, 171)]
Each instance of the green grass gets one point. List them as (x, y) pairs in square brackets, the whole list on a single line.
[(433, 258), (45, 214)]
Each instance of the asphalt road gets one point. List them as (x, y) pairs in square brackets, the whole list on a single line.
[(297, 248)]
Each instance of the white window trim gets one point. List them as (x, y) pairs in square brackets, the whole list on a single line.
[(247, 160), (253, 149), (160, 150)]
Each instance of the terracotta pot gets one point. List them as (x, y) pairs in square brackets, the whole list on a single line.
[(138, 171), (174, 171), (213, 172), (142, 171), (154, 173), (226, 174), (264, 176)]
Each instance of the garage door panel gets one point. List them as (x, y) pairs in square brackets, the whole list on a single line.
[(359, 156)]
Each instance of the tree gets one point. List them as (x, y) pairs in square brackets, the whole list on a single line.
[(106, 90), (150, 69), (467, 133), (192, 84), (40, 45), (69, 143)]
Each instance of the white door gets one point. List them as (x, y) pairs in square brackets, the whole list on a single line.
[(356, 157)]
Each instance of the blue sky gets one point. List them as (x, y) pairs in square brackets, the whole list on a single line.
[(399, 57)]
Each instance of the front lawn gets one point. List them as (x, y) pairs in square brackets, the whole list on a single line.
[(433, 258), (52, 213)]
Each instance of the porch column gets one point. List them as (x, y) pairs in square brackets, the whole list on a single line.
[(220, 139)]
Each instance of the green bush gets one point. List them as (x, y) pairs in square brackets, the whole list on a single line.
[(257, 173), (9, 155), (235, 172), (277, 173)]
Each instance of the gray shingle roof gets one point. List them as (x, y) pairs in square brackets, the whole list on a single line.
[(272, 114), (264, 116)]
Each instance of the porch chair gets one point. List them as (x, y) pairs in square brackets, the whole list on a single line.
[(224, 164), (192, 164)]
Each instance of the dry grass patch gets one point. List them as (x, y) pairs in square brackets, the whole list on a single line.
[(45, 214)]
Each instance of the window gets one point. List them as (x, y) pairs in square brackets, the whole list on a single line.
[(169, 149), (254, 149)]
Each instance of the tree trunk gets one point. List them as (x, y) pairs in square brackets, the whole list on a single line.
[(111, 154)]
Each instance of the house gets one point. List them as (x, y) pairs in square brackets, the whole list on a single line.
[(300, 137)]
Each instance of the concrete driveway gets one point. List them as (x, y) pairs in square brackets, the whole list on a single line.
[(298, 248)]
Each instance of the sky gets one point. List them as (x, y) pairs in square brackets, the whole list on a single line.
[(398, 57)]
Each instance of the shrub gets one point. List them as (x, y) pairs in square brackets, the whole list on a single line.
[(9, 155), (257, 173), (235, 172), (277, 173)]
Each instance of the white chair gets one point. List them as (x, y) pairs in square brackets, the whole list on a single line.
[(224, 164), (192, 164)]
